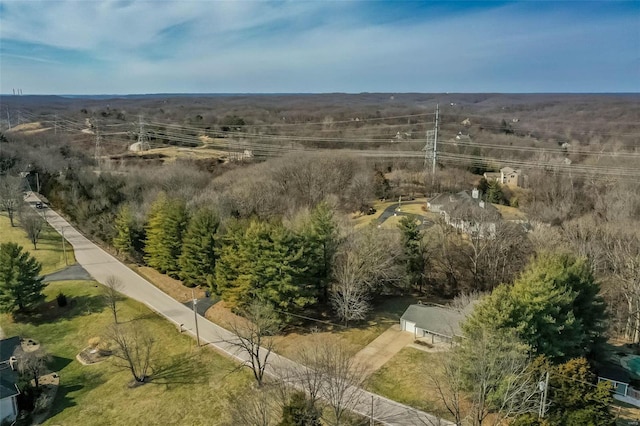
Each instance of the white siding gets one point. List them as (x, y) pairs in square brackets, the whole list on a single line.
[(409, 326), (8, 408)]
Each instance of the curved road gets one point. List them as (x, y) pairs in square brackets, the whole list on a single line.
[(100, 265)]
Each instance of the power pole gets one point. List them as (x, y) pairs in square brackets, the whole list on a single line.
[(544, 386), (64, 248), (195, 316), (142, 137), (435, 147), (8, 117), (97, 149), (371, 421)]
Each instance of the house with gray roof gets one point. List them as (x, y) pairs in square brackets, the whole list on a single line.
[(467, 212), (8, 379), (441, 323)]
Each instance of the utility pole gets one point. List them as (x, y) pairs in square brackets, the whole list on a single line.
[(97, 149), (435, 147), (371, 422), (8, 117), (64, 248), (195, 316), (543, 386)]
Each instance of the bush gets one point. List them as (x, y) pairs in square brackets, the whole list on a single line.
[(61, 299), (94, 342)]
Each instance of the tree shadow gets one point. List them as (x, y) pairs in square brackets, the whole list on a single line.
[(180, 370), (50, 311), (63, 400), (57, 363)]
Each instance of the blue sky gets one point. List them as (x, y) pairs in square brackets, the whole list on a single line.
[(200, 46)]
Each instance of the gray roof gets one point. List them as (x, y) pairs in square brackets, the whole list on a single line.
[(8, 380), (614, 372), (8, 347), (435, 319), (463, 206)]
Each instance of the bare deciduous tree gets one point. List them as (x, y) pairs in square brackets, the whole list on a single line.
[(368, 261), (134, 346), (257, 408), (33, 363), (32, 223), (486, 378), (111, 295), (254, 337), (10, 195)]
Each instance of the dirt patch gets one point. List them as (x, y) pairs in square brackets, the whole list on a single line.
[(171, 286), (90, 355)]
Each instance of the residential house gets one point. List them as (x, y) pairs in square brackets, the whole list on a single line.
[(466, 212), (8, 379), (511, 177), (441, 323)]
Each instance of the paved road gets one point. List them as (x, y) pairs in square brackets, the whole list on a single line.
[(101, 265), (73, 272), (393, 210)]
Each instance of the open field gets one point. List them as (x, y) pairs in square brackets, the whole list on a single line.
[(49, 252), (189, 386)]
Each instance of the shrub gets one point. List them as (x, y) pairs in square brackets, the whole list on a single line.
[(94, 342), (61, 299)]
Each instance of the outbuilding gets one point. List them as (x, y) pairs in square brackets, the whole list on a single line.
[(440, 322)]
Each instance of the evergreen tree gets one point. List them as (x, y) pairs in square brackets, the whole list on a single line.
[(554, 307), (321, 241), (494, 193), (263, 262), (198, 259), (300, 412), (167, 222), (20, 284), (124, 227), (414, 251)]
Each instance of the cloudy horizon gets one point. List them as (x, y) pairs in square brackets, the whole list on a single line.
[(126, 47)]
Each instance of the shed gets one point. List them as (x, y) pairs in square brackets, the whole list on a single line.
[(617, 376), (436, 321), (8, 378)]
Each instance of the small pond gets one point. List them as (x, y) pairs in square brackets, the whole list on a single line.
[(631, 363)]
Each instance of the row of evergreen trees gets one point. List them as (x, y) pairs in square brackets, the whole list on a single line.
[(241, 260)]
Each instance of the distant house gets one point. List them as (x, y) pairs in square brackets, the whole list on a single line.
[(466, 212), (511, 177), (8, 379), (441, 323), (506, 176)]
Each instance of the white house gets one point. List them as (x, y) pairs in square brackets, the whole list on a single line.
[(8, 379), (439, 322)]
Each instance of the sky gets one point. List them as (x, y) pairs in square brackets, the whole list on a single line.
[(201, 46)]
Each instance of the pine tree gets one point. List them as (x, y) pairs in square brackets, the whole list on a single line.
[(321, 241), (167, 222), (20, 284), (414, 251), (554, 307), (261, 261), (198, 258), (124, 227)]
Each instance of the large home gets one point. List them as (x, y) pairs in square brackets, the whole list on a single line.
[(467, 212), (441, 323), (8, 379), (506, 176)]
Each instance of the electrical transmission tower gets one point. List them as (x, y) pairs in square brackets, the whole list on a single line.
[(98, 142), (431, 147), (143, 143)]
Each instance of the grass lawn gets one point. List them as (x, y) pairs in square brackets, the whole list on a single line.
[(510, 213), (49, 252), (189, 386), (406, 379)]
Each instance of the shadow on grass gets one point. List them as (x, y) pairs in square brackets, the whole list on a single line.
[(180, 370), (50, 311), (63, 400), (58, 363)]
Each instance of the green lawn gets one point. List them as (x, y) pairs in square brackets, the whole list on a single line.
[(190, 386), (406, 378), (49, 251)]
